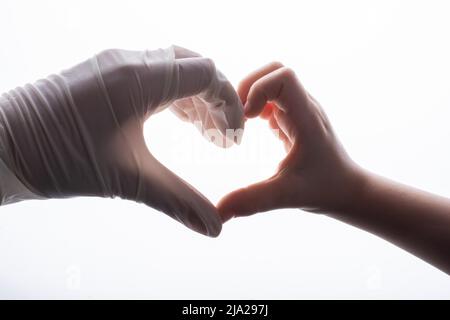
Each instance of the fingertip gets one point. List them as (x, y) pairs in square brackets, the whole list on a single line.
[(242, 90), (206, 223), (231, 206), (211, 220), (250, 111), (225, 211), (215, 232), (246, 110)]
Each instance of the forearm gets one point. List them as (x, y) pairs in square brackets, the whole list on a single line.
[(414, 220)]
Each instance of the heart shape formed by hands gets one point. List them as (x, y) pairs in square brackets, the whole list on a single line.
[(80, 133)]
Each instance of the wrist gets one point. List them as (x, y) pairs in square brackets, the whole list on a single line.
[(354, 185)]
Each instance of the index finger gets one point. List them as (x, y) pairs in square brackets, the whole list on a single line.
[(281, 87), (247, 82)]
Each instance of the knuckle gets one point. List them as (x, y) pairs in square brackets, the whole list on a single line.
[(256, 89), (118, 69), (108, 53), (210, 72), (288, 74), (181, 52), (210, 64), (114, 60), (242, 85), (276, 65)]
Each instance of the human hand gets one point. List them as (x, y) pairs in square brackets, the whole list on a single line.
[(317, 174), (80, 133)]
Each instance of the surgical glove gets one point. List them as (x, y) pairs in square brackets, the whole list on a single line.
[(80, 133)]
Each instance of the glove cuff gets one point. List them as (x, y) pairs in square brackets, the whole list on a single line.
[(11, 188)]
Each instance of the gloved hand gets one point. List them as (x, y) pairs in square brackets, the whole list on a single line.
[(80, 133)]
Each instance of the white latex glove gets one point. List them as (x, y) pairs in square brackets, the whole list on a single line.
[(80, 133)]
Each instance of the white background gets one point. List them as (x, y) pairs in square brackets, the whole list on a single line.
[(381, 70)]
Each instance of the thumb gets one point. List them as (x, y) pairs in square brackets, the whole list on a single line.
[(259, 197), (158, 187)]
